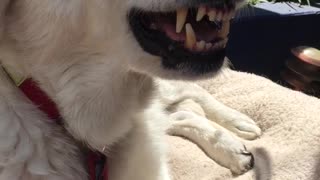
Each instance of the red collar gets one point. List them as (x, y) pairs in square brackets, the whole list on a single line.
[(96, 162), (40, 99)]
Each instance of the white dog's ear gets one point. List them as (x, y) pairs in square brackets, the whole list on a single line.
[(3, 7)]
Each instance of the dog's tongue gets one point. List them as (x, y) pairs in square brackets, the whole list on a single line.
[(170, 31)]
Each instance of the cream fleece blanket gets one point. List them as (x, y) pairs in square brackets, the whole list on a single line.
[(289, 148)]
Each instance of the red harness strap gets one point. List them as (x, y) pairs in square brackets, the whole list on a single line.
[(40, 99), (96, 162)]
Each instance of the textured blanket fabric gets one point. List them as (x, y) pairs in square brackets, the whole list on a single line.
[(289, 148)]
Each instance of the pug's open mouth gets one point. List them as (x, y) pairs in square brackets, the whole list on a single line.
[(191, 39)]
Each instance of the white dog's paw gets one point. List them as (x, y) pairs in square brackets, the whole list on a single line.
[(244, 161), (241, 125), (230, 153), (219, 145)]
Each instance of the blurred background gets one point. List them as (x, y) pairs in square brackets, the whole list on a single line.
[(263, 34)]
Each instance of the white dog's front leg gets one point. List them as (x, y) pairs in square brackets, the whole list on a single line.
[(141, 155), (173, 93), (219, 145)]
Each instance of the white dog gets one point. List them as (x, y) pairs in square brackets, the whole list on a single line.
[(98, 61)]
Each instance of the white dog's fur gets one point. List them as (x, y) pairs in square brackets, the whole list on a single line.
[(84, 57)]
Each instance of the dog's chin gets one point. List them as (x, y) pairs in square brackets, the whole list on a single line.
[(190, 41)]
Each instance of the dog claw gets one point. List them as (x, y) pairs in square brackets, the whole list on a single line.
[(244, 152)]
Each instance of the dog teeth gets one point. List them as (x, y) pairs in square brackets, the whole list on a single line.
[(221, 16), (217, 45), (190, 37), (225, 28), (208, 46), (181, 19), (220, 44), (212, 15), (200, 46), (201, 13)]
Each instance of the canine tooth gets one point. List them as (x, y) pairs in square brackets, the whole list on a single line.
[(224, 29), (201, 13), (219, 16), (190, 36), (215, 46), (208, 46), (181, 19), (212, 15), (200, 45), (218, 45)]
